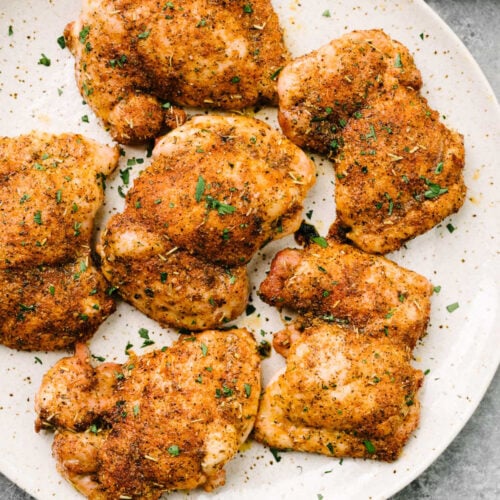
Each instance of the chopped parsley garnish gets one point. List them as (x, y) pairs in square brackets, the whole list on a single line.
[(10, 31), (434, 190), (235, 79), (319, 240), (200, 189), (61, 42), (369, 446), (247, 8), (44, 60), (326, 13), (248, 390), (452, 307), (204, 349), (275, 74), (84, 33), (222, 208), (397, 62), (143, 35), (174, 450), (144, 334), (38, 217)]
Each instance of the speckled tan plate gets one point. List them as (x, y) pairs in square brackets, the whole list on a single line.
[(461, 349)]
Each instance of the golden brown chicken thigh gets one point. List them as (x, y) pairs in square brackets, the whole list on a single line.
[(51, 188), (398, 168), (399, 172), (136, 61), (341, 284), (341, 396), (166, 420), (217, 190)]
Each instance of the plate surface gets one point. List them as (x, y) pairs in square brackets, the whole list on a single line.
[(461, 348)]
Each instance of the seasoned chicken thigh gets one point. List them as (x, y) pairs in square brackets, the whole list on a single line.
[(218, 189), (51, 188), (341, 396), (341, 284), (137, 61), (168, 283), (398, 168), (399, 172), (166, 420)]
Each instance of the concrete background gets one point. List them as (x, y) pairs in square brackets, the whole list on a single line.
[(470, 467)]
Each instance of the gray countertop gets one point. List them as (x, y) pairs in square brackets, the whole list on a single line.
[(470, 467)]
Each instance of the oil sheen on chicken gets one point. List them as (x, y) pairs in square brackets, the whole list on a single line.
[(51, 188), (137, 61), (169, 419)]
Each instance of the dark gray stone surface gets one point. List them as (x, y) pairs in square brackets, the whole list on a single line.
[(470, 467)]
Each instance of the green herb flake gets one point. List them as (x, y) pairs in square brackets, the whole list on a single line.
[(85, 118), (200, 189), (248, 390), (439, 168), (61, 42), (247, 8), (135, 410), (10, 30), (128, 347), (452, 307), (330, 448), (319, 240), (369, 446), (44, 60), (437, 289), (52, 290), (204, 349), (144, 35), (84, 33), (326, 13), (397, 62), (235, 79), (174, 450), (275, 74), (125, 175), (275, 454), (450, 227), (38, 217)]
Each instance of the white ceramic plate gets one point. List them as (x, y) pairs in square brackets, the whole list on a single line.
[(461, 349)]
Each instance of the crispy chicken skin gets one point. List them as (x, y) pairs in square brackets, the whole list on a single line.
[(221, 187), (50, 190), (344, 285), (320, 91), (341, 396), (132, 57), (399, 172), (165, 420), (398, 168), (167, 283)]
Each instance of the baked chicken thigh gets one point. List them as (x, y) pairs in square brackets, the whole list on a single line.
[(51, 188), (342, 284), (137, 61), (169, 419), (398, 168), (341, 396), (217, 190)]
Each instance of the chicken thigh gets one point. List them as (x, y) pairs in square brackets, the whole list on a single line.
[(399, 172), (398, 168), (217, 190), (137, 61), (169, 419), (341, 284), (341, 396), (51, 188)]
